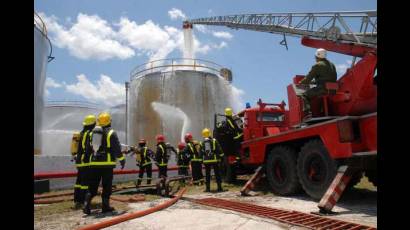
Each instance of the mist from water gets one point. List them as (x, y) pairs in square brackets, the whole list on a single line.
[(171, 114)]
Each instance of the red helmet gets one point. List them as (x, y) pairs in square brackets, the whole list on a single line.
[(142, 141), (181, 145), (188, 137), (160, 138)]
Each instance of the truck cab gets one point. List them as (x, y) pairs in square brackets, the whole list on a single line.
[(263, 120)]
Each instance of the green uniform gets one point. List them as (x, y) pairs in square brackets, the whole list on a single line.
[(322, 72)]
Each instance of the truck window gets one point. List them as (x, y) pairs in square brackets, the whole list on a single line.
[(271, 117)]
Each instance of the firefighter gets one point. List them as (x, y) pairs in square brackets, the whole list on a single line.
[(161, 156), (237, 133), (106, 151), (144, 162), (182, 159), (81, 159), (322, 72), (195, 158), (211, 151)]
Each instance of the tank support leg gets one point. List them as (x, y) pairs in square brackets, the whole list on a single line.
[(335, 190), (250, 184)]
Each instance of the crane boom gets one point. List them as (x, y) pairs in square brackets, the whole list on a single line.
[(359, 27)]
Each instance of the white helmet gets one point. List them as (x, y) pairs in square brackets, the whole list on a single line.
[(320, 53)]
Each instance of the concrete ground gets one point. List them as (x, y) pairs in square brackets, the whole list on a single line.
[(358, 205)]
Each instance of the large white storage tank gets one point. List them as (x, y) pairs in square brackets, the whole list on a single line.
[(172, 97), (42, 54)]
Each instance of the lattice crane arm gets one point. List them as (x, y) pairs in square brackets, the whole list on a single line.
[(358, 27)]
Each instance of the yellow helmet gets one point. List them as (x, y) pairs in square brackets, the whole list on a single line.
[(89, 120), (104, 119), (206, 133), (228, 112)]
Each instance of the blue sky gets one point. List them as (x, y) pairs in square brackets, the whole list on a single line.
[(261, 67)]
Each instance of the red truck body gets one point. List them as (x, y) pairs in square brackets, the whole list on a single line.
[(347, 128)]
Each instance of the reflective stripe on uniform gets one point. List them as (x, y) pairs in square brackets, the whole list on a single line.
[(183, 166), (163, 164), (196, 159), (108, 162), (77, 186), (148, 163), (238, 136), (109, 144), (193, 153), (163, 152), (83, 187), (210, 161)]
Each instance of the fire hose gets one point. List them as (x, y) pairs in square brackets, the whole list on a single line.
[(133, 215), (51, 175)]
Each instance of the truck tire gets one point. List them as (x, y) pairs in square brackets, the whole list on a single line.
[(316, 169), (228, 171), (281, 171), (372, 176)]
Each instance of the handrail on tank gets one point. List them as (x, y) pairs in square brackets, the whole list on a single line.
[(41, 26), (172, 64), (84, 104)]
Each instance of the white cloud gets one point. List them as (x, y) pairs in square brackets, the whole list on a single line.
[(175, 13), (201, 28), (148, 38), (222, 34), (341, 68), (51, 83), (103, 91), (90, 37)]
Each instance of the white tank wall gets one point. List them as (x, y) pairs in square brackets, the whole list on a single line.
[(198, 94), (59, 123), (41, 52)]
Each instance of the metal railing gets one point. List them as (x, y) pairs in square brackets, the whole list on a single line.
[(173, 64), (41, 26), (83, 104)]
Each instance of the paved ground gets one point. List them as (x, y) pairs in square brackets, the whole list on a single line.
[(358, 205)]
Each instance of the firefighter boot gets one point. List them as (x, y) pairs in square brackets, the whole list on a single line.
[(87, 209), (208, 187), (220, 187), (106, 205)]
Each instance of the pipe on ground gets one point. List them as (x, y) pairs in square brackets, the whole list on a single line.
[(129, 199), (50, 175), (133, 215)]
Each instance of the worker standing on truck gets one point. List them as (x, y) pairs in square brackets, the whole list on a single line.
[(106, 151), (322, 72), (196, 160), (211, 151), (81, 159), (144, 162), (161, 156), (237, 133)]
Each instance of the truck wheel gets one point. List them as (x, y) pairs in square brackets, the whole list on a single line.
[(281, 171), (228, 171), (372, 176), (316, 169)]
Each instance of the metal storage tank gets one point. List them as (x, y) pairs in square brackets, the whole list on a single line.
[(175, 96), (42, 55), (62, 118)]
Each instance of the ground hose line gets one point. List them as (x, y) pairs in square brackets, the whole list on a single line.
[(131, 199), (133, 215), (52, 201)]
